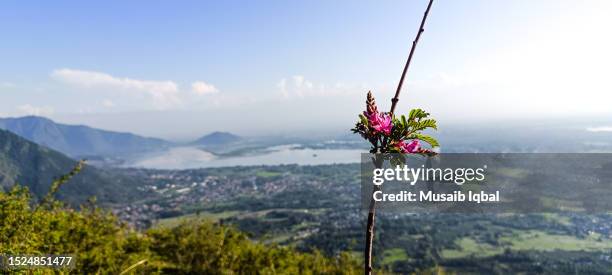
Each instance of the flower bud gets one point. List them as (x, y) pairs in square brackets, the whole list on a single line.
[(371, 104)]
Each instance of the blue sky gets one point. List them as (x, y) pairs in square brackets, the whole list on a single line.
[(178, 69)]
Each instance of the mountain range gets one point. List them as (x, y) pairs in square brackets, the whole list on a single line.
[(79, 141), (34, 166)]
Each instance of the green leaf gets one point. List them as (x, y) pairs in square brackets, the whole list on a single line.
[(363, 119), (430, 140), (417, 114), (427, 123)]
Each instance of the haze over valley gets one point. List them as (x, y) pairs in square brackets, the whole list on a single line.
[(219, 149)]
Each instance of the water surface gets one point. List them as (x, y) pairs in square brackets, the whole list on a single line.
[(191, 157)]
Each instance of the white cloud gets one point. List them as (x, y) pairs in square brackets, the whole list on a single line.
[(28, 109), (600, 129), (203, 88), (299, 87), (108, 103), (164, 94), (282, 86)]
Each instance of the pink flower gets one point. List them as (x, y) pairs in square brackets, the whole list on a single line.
[(380, 122), (411, 148)]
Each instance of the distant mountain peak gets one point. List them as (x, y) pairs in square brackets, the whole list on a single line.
[(217, 138), (33, 117)]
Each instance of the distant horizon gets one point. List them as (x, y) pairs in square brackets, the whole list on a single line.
[(602, 125)]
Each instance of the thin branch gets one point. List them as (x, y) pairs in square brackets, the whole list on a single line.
[(395, 99), (56, 184), (379, 160), (133, 266)]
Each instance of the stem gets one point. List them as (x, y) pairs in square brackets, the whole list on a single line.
[(378, 161), (370, 236), (395, 99)]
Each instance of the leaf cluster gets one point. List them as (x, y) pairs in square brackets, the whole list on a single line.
[(403, 129)]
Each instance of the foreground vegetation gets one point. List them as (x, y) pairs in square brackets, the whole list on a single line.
[(102, 245)]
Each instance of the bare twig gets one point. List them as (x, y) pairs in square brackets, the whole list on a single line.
[(56, 184), (133, 266), (395, 99), (378, 161)]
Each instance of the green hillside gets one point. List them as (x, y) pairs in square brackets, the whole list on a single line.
[(35, 167)]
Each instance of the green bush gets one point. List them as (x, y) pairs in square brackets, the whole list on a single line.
[(101, 244)]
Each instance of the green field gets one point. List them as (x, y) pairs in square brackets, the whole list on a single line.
[(470, 247), (526, 240), (267, 174), (542, 241), (211, 216), (394, 255)]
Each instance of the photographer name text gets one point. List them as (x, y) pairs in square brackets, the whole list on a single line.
[(429, 196)]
